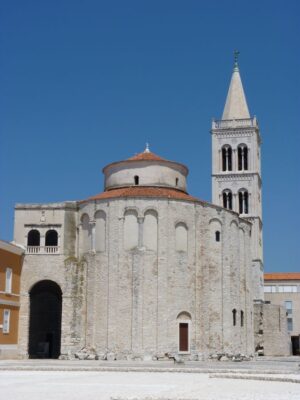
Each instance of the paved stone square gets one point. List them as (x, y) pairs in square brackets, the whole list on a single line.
[(78, 385), (65, 380)]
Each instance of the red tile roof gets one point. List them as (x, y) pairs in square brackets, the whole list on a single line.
[(144, 191), (146, 156), (282, 276)]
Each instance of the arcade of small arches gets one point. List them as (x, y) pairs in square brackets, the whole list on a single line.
[(35, 239), (229, 199), (139, 231), (234, 159)]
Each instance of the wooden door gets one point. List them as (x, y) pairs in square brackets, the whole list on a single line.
[(183, 336)]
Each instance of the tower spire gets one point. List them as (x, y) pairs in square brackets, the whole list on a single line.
[(236, 105)]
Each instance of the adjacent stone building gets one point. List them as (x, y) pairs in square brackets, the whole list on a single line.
[(144, 270), (11, 260), (283, 289)]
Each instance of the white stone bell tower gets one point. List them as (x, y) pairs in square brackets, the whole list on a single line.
[(236, 172)]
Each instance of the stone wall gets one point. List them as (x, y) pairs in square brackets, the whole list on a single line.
[(127, 302), (270, 330)]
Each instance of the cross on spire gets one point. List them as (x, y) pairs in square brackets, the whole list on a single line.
[(236, 56), (147, 149)]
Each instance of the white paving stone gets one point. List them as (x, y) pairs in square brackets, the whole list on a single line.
[(58, 385)]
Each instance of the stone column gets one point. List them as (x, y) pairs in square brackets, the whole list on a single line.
[(140, 239)]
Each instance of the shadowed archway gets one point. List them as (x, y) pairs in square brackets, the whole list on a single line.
[(45, 320)]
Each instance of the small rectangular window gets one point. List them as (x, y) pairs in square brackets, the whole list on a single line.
[(6, 320), (270, 289), (8, 280), (267, 289), (242, 318), (287, 289), (290, 324), (289, 307)]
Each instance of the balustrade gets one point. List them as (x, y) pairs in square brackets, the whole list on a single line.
[(42, 249)]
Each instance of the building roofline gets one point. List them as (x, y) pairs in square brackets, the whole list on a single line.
[(282, 276), (71, 205), (12, 248), (145, 161)]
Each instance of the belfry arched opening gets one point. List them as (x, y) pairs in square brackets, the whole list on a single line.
[(45, 320)]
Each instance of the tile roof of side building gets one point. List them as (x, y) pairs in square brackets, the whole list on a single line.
[(282, 276)]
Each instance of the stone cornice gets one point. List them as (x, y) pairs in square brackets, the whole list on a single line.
[(42, 225), (65, 206), (236, 133), (231, 177), (252, 218)]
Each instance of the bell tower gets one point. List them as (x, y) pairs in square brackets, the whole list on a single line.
[(236, 170)]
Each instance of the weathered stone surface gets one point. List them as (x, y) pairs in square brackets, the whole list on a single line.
[(111, 356), (134, 269), (270, 330)]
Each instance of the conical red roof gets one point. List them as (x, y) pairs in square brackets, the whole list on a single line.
[(146, 156)]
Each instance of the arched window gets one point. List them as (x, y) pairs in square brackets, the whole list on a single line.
[(242, 318), (51, 238), (242, 157), (136, 180), (33, 238), (176, 181), (131, 230), (234, 317), (100, 240), (85, 233), (226, 158), (243, 201), (181, 237), (218, 236), (227, 199), (150, 230)]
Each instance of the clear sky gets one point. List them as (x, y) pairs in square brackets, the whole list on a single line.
[(85, 83)]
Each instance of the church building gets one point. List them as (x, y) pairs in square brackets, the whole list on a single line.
[(144, 270)]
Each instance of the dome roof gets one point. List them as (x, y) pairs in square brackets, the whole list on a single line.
[(146, 156), (145, 175)]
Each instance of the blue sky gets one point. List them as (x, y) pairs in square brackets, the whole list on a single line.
[(85, 83)]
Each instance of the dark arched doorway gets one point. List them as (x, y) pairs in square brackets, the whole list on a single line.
[(45, 320)]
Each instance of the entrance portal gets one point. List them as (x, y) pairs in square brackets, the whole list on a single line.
[(45, 320), (183, 336), (295, 345)]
